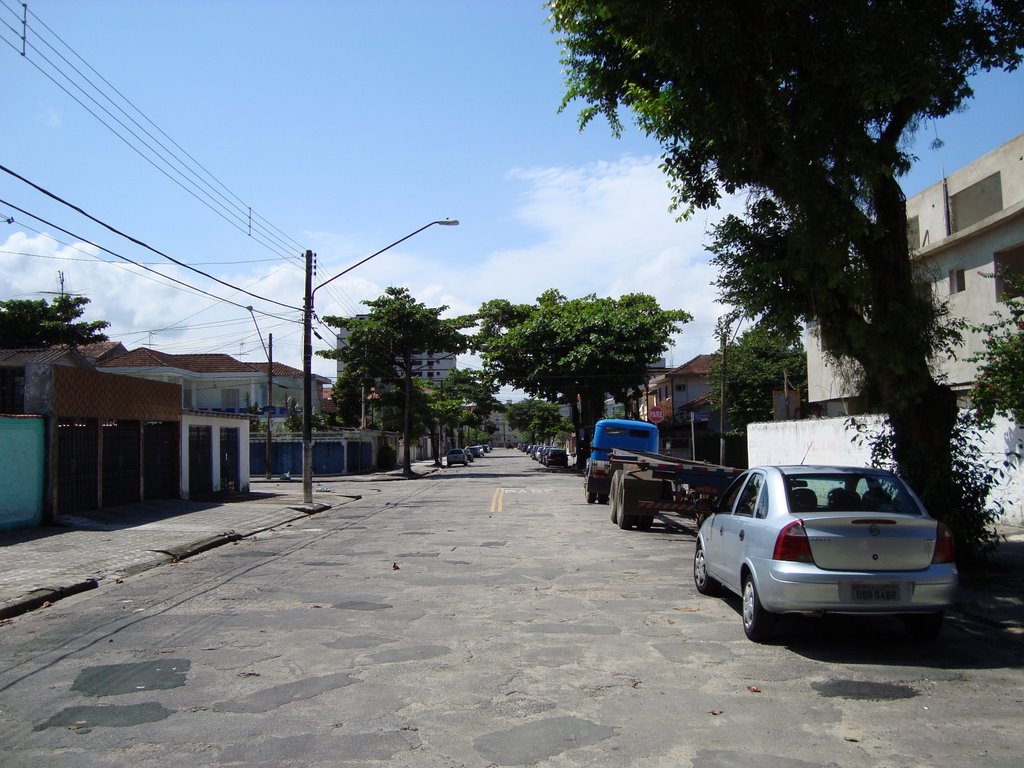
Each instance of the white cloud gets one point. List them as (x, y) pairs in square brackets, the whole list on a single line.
[(602, 228)]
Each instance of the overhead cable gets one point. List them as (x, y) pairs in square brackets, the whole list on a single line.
[(134, 240), (148, 269), (239, 215)]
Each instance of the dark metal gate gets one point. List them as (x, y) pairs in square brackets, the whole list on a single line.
[(200, 460), (229, 458), (160, 448), (76, 470), (122, 480)]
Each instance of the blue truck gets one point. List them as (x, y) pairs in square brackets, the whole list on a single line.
[(622, 435), (626, 471)]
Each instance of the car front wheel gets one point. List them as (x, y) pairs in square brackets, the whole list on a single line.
[(757, 622)]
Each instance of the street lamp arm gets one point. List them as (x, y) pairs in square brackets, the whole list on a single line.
[(307, 354), (442, 222)]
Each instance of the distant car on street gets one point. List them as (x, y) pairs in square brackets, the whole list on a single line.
[(556, 457), (804, 539), (456, 456)]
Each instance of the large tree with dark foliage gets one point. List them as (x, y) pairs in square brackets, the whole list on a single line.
[(27, 323), (576, 351), (810, 108)]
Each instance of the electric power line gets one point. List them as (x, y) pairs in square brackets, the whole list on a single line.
[(148, 269), (237, 213), (128, 237)]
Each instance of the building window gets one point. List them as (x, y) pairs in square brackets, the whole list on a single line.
[(976, 202), (229, 399), (956, 280), (1008, 263), (914, 233)]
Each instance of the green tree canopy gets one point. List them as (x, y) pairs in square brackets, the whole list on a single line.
[(26, 323), (539, 420), (758, 364), (808, 107), (575, 351), (999, 386), (386, 343)]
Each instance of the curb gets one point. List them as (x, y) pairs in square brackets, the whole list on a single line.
[(39, 598)]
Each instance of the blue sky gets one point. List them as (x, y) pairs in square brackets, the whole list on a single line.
[(345, 126)]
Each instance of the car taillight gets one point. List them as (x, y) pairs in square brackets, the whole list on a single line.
[(943, 545), (598, 472), (792, 544)]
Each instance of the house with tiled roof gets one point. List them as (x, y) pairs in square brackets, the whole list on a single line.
[(218, 382), (684, 394), (101, 350), (683, 389), (78, 437)]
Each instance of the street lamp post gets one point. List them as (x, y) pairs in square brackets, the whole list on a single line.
[(307, 353)]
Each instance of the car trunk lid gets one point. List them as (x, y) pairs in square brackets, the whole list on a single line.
[(871, 542)]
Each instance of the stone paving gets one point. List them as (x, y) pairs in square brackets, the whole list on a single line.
[(40, 565)]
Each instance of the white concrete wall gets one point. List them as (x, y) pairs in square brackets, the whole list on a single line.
[(828, 441), (215, 422)]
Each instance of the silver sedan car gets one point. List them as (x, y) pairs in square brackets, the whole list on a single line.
[(804, 539)]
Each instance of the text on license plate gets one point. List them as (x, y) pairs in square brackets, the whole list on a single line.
[(874, 593)]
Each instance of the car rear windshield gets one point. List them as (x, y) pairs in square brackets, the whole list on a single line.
[(849, 492)]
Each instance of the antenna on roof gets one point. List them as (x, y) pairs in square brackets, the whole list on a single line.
[(809, 446)]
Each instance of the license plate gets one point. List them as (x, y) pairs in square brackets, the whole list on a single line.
[(874, 593)]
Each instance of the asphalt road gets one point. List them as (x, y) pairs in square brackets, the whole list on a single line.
[(482, 616)]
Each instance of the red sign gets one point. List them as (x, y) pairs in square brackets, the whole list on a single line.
[(655, 414)]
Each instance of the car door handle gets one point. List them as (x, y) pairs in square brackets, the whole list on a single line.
[(721, 530), (742, 534)]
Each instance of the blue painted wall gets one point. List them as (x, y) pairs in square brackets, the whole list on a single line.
[(329, 457), (23, 463)]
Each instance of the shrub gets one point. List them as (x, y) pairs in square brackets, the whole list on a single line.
[(970, 514)]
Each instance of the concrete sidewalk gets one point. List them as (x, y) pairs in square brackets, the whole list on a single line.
[(42, 565)]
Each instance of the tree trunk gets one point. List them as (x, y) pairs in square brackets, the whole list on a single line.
[(407, 418), (899, 346)]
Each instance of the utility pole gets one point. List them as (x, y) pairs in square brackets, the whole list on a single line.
[(307, 352), (721, 417), (270, 403), (307, 385)]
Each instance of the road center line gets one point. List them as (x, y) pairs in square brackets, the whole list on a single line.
[(498, 500)]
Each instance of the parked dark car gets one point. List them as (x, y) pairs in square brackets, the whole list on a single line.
[(557, 457)]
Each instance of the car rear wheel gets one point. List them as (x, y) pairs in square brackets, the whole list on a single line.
[(705, 582), (757, 622), (591, 498), (923, 627)]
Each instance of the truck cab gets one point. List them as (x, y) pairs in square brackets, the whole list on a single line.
[(614, 435)]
